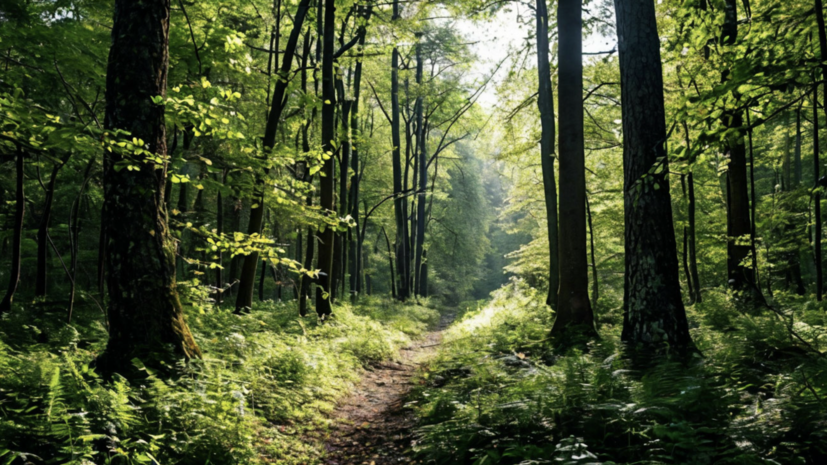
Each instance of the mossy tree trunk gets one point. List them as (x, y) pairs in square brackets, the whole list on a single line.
[(653, 313), (145, 314)]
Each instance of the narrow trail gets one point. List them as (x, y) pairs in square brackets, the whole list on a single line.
[(372, 425)]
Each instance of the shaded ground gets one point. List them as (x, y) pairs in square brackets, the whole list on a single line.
[(372, 425)]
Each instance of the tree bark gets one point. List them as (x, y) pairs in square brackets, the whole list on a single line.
[(396, 155), (545, 103), (340, 244), (595, 278), (691, 231), (327, 181), (822, 43), (817, 201), (19, 216), (741, 276), (653, 313), (394, 292), (145, 314), (574, 311), (422, 165)]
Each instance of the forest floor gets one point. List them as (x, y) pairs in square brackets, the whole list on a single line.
[(374, 426)]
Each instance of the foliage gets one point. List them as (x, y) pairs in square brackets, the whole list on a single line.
[(268, 378), (500, 394)]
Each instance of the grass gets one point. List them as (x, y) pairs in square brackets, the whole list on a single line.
[(498, 393), (266, 383)]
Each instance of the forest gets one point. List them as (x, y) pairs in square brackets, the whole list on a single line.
[(412, 231)]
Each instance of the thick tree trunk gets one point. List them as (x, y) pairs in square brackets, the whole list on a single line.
[(327, 182), (545, 103), (653, 313), (145, 314), (574, 311), (248, 272), (19, 216)]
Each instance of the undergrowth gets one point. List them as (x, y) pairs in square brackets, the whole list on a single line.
[(265, 383), (498, 393)]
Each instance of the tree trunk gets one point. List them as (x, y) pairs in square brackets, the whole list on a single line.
[(653, 313), (340, 245), (422, 165), (145, 314), (822, 43), (248, 272), (19, 216), (545, 103), (596, 282), (574, 311), (394, 292), (817, 201), (327, 181), (741, 276), (396, 153), (43, 232), (691, 231), (74, 236), (356, 246)]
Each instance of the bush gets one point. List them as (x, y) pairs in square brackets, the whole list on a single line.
[(265, 380), (499, 393)]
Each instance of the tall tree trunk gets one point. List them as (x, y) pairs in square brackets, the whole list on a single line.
[(422, 165), (340, 245), (327, 182), (822, 44), (19, 216), (817, 201), (545, 103), (396, 154), (145, 314), (574, 311), (653, 313), (798, 168), (43, 232), (248, 271), (741, 277), (792, 275), (356, 246)]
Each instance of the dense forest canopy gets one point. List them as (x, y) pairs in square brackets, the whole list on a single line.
[(604, 217)]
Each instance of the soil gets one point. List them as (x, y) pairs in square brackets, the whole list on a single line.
[(373, 426)]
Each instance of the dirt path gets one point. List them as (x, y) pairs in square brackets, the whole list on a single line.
[(372, 425)]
